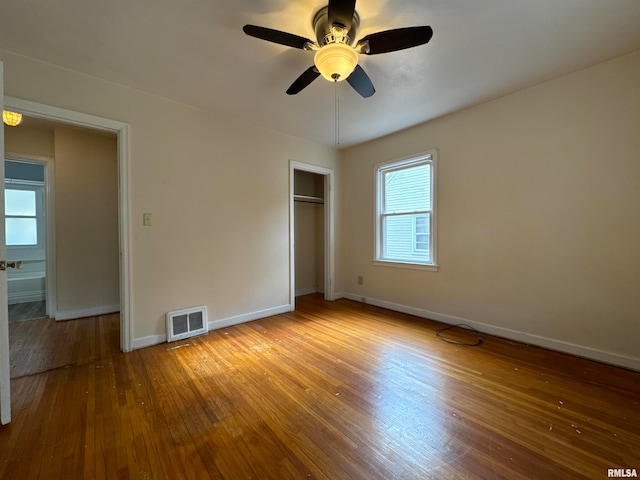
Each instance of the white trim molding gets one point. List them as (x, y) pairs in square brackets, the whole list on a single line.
[(406, 265), (380, 239), (248, 317), (25, 297), (329, 228), (524, 337), (215, 325), (50, 218), (69, 117), (306, 291), (87, 312)]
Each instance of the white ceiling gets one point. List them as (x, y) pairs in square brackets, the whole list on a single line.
[(195, 52)]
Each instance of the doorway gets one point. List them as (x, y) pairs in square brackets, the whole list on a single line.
[(311, 231), (58, 298), (26, 238), (121, 130), (38, 110)]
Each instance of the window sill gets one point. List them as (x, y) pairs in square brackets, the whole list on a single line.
[(412, 266)]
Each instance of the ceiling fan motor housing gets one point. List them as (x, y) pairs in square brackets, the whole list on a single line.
[(336, 59), (324, 33)]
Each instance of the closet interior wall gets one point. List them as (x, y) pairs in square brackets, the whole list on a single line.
[(309, 232)]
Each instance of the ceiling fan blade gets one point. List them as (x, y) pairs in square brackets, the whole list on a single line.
[(398, 39), (341, 11), (361, 82), (308, 76), (276, 36)]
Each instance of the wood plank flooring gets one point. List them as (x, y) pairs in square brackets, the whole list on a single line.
[(335, 390), (19, 312), (44, 344)]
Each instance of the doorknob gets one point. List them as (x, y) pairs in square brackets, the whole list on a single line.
[(4, 265)]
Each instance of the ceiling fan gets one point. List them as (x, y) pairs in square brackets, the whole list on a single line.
[(336, 57)]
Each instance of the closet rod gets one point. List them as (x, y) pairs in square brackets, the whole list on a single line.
[(307, 199)]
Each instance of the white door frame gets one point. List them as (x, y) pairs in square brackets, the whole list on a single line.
[(329, 229), (5, 367), (39, 110), (49, 205)]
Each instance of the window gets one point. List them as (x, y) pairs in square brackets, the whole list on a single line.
[(24, 215), (420, 233), (405, 212)]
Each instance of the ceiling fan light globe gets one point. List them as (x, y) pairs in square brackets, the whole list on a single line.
[(12, 119), (336, 61)]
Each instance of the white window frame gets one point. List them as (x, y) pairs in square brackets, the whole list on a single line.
[(380, 169), (415, 233), (38, 189)]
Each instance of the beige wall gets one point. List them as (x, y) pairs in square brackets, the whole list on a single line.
[(538, 227), (217, 190), (309, 252), (538, 197), (306, 272), (31, 141), (87, 258), (85, 167)]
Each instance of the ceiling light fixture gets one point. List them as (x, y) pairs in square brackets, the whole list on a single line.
[(12, 119), (335, 46), (336, 61)]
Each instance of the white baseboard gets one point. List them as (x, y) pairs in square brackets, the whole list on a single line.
[(148, 341), (306, 291), (248, 317), (531, 339), (26, 297), (215, 325), (87, 312)]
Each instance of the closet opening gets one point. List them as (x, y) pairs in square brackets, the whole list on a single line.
[(311, 226)]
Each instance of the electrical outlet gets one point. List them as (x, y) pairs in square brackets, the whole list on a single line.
[(360, 280), (146, 219)]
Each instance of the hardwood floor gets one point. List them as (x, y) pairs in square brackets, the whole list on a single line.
[(332, 391), (44, 344), (20, 312)]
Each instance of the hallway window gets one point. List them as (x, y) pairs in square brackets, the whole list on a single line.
[(23, 210)]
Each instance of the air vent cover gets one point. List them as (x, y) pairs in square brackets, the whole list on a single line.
[(187, 322)]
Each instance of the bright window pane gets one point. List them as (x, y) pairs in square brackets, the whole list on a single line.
[(408, 190), (399, 240), (422, 224), (21, 231), (422, 233), (20, 202)]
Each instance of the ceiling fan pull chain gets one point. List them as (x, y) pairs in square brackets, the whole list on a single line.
[(337, 110), (336, 57)]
